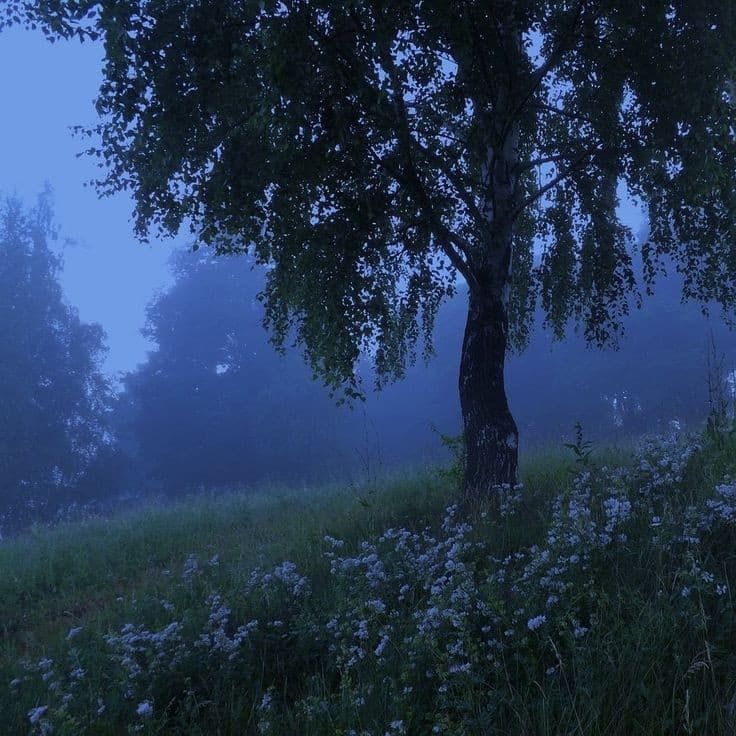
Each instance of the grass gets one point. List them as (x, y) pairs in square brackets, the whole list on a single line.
[(596, 601), (74, 573)]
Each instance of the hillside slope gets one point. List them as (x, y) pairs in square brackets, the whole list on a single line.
[(597, 600)]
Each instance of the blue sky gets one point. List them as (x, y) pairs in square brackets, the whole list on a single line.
[(109, 276)]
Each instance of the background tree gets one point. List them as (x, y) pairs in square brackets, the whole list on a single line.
[(371, 152), (215, 404), (53, 398)]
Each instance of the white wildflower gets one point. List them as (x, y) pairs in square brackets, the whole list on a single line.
[(456, 669), (144, 709), (266, 701), (35, 714)]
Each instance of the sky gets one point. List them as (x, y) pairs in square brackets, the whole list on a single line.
[(108, 275)]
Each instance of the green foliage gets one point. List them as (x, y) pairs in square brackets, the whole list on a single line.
[(580, 448), (348, 144), (455, 445)]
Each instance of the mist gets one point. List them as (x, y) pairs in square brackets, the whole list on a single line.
[(197, 398), (367, 368)]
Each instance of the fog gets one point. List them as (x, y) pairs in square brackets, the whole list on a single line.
[(190, 395), (108, 276)]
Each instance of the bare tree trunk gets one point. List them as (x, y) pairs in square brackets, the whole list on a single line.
[(491, 436)]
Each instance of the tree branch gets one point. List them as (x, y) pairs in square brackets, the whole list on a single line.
[(407, 139), (566, 44), (455, 179), (471, 27), (557, 158), (562, 113), (571, 169), (452, 244), (455, 247)]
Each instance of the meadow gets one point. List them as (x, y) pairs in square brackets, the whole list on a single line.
[(595, 599)]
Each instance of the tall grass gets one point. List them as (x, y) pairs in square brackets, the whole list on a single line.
[(595, 600)]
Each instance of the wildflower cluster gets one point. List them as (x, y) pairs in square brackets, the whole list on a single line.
[(659, 467), (414, 630)]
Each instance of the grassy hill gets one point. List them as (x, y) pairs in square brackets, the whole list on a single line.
[(597, 600)]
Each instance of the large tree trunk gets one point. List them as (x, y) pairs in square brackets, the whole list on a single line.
[(491, 436)]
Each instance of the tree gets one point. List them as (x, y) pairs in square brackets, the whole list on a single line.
[(372, 152), (215, 404), (53, 398)]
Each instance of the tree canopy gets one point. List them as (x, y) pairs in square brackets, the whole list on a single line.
[(380, 150)]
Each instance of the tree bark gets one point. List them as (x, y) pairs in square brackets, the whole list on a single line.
[(491, 435)]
